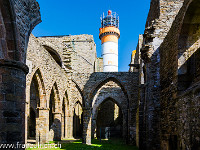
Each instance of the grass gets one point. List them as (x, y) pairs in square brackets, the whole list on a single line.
[(114, 144)]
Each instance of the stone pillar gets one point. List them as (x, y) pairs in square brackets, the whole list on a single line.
[(42, 126), (93, 132), (57, 129), (66, 120), (87, 115), (12, 101), (69, 127), (64, 126)]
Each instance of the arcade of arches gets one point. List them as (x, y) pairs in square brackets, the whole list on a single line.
[(53, 87)]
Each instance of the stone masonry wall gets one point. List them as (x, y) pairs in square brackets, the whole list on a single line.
[(69, 86), (128, 81), (157, 27), (17, 19), (38, 58), (77, 52), (179, 105)]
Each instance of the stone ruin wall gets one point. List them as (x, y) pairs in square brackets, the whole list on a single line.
[(160, 53), (17, 19), (77, 52), (180, 104), (78, 84)]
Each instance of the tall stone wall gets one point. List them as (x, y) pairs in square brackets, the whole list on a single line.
[(180, 96), (40, 60), (61, 89), (167, 51), (159, 21), (17, 19), (128, 85), (77, 52)]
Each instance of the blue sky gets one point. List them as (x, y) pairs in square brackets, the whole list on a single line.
[(65, 17)]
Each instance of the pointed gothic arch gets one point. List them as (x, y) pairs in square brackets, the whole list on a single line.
[(54, 54), (8, 27), (37, 100), (80, 91), (98, 86), (109, 119), (65, 116), (55, 114), (77, 120), (53, 104), (110, 88)]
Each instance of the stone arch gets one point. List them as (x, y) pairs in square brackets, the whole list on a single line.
[(95, 109), (38, 76), (37, 101), (77, 119), (110, 88), (65, 116), (14, 35), (55, 114), (9, 44), (54, 54), (111, 115), (188, 47), (80, 91), (98, 86)]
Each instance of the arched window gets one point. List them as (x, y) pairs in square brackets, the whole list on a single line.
[(77, 120), (34, 104)]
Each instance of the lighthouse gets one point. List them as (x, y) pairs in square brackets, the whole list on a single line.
[(109, 35)]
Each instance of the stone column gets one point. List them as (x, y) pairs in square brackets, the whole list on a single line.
[(62, 126), (93, 132), (12, 101), (57, 122), (42, 125), (87, 125), (69, 127), (66, 120)]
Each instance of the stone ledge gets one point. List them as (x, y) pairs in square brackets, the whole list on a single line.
[(14, 64)]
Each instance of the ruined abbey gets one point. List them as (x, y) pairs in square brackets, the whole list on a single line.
[(54, 87)]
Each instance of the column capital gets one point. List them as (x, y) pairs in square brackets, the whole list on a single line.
[(57, 113), (42, 108), (14, 64)]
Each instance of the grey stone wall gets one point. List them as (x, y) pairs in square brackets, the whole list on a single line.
[(179, 100), (17, 19), (166, 81), (77, 52), (77, 84)]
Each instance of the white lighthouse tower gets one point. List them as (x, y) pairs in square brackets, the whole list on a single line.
[(109, 35)]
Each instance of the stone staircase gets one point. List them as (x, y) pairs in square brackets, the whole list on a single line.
[(67, 56)]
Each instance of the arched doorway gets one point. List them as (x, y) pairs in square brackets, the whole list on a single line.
[(77, 120), (33, 112), (55, 114), (109, 120), (110, 93), (63, 119), (51, 109)]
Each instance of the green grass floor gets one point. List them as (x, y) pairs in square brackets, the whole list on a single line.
[(114, 144)]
